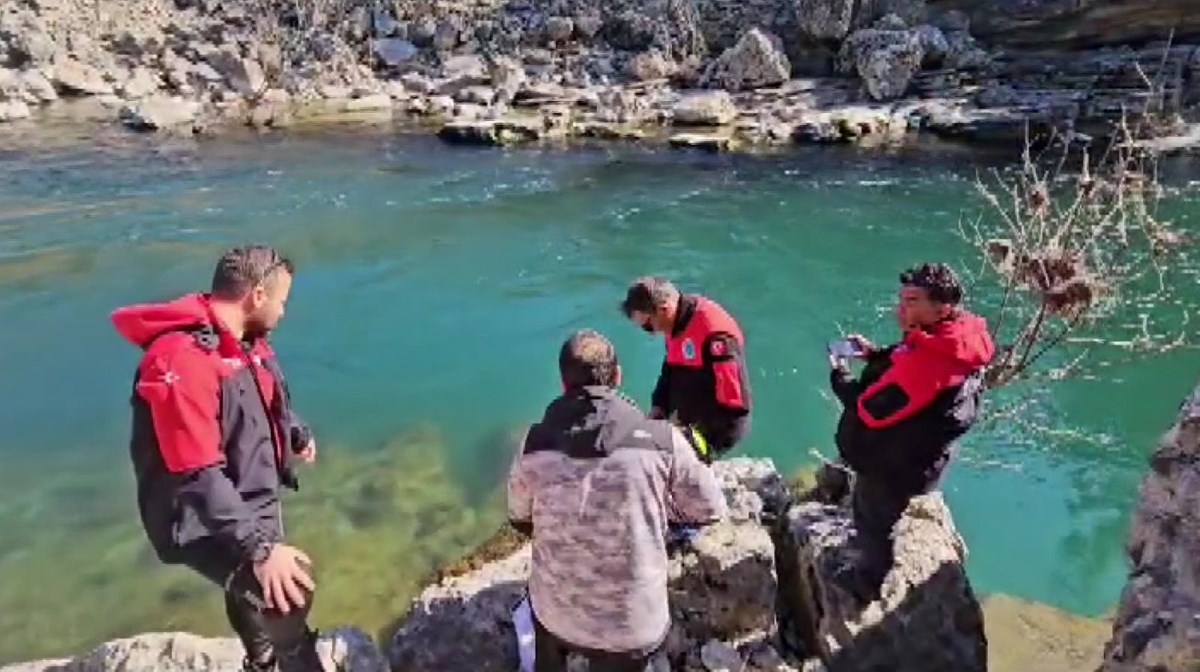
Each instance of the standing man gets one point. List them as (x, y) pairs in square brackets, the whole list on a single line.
[(902, 417), (704, 386), (213, 439), (596, 484)]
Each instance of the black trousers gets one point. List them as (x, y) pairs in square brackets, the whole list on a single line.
[(877, 506), (267, 634), (550, 655)]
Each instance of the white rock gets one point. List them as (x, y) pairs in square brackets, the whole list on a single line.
[(159, 113), (710, 108), (77, 77), (14, 110), (756, 60), (374, 103), (718, 656)]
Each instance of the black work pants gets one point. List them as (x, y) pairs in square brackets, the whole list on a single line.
[(550, 655), (877, 506), (266, 633)]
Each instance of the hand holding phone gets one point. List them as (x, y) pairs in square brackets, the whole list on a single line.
[(845, 349)]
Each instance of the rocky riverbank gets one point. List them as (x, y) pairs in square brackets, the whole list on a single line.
[(753, 592), (715, 74)]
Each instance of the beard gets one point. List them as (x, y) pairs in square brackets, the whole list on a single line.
[(256, 328)]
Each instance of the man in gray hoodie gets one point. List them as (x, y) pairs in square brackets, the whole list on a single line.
[(596, 484)]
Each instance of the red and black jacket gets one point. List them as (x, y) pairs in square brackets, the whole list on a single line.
[(913, 401), (213, 430), (704, 381)]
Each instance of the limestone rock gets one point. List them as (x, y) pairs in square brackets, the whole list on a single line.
[(159, 113), (38, 89), (927, 618), (824, 19), (1052, 24), (720, 657), (378, 102), (711, 108), (507, 76), (349, 649), (724, 585), (559, 28), (75, 77), (757, 60), (885, 60), (464, 623), (14, 110), (1156, 627), (244, 75), (651, 65), (934, 46), (141, 83), (394, 52)]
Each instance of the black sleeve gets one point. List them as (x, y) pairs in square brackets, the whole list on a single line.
[(208, 500), (844, 386), (661, 396)]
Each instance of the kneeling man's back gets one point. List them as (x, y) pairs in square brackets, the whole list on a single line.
[(598, 483)]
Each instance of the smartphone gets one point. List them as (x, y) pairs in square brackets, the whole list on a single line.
[(844, 349)]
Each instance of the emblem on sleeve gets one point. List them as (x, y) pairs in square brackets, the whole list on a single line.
[(718, 348), (689, 349)]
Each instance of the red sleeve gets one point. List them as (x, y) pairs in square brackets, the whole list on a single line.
[(183, 392), (725, 356)]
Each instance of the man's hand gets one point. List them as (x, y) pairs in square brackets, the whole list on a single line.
[(283, 579), (308, 454)]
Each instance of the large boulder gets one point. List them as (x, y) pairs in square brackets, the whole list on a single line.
[(1156, 627), (158, 113), (348, 649), (72, 76), (710, 108), (826, 20), (926, 618), (722, 587), (757, 60), (885, 60)]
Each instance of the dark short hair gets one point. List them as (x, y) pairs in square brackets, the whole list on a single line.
[(938, 280), (242, 268), (646, 294), (588, 358)]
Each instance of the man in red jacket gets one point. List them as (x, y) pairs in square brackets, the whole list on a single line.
[(903, 416), (213, 439), (704, 386)]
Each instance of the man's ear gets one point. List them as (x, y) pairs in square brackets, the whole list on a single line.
[(617, 378)]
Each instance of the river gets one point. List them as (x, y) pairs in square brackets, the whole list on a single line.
[(434, 287)]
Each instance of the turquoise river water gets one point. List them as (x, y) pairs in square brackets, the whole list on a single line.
[(435, 285)]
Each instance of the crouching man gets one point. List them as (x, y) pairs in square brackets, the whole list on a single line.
[(903, 416), (596, 484)]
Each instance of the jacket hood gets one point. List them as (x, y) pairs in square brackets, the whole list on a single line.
[(964, 339), (140, 324)]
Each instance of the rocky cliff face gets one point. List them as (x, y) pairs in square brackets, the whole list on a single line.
[(1073, 24), (1156, 626)]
